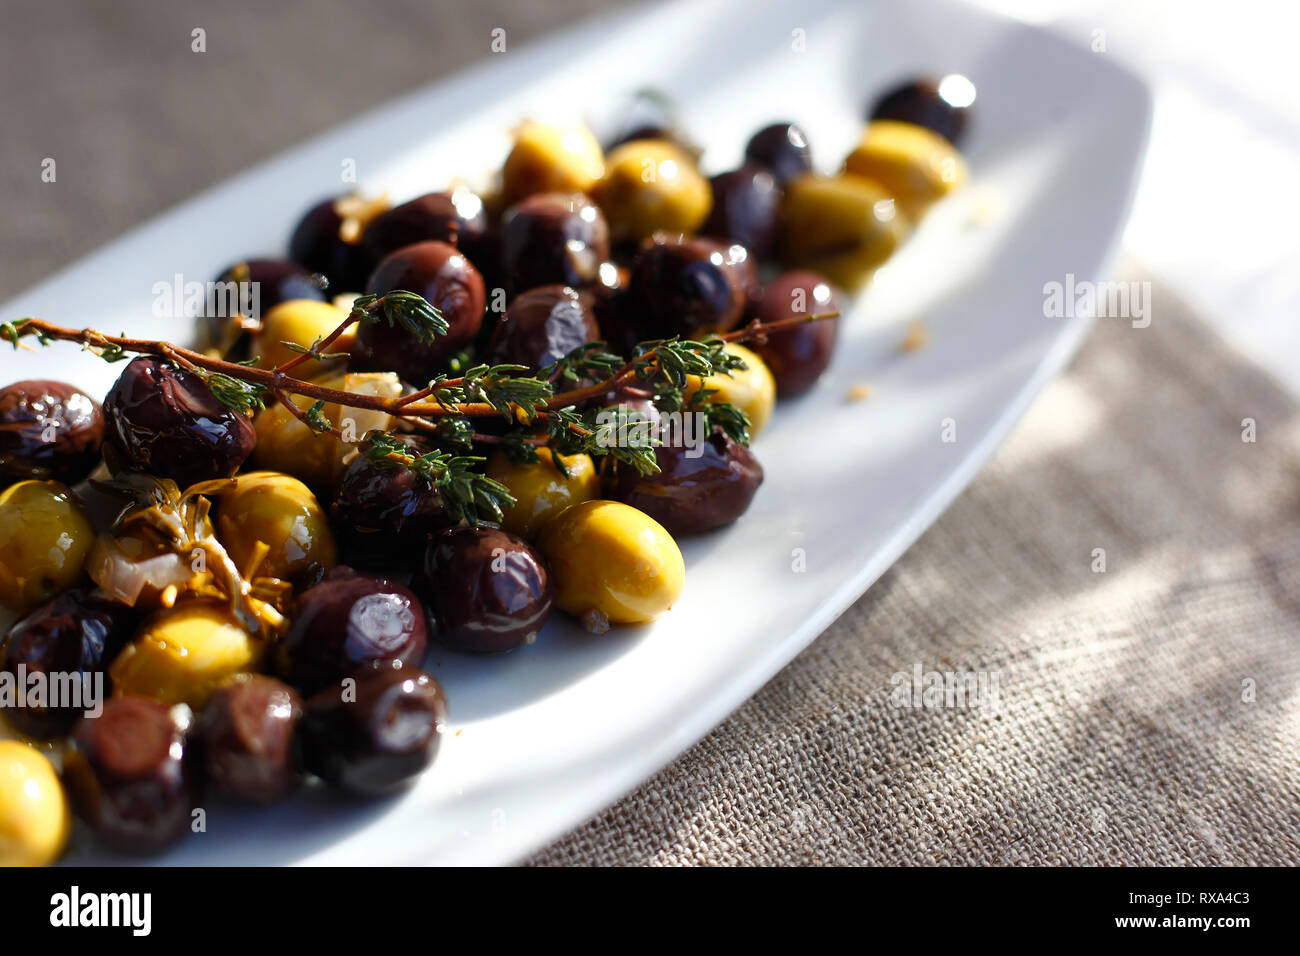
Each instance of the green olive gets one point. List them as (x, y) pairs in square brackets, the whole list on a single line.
[(302, 322), (548, 159), (841, 226), (649, 185), (34, 817), (612, 564), (751, 389), (184, 654), (45, 536), (266, 511), (286, 444), (915, 165), (541, 491)]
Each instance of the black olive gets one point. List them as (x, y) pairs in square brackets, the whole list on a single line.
[(541, 327), (374, 737), (687, 286), (746, 204), (442, 275), (166, 421), (798, 355), (48, 430), (697, 488), (246, 737), (128, 777), (942, 105), (782, 148), (384, 513), (77, 633), (553, 238), (486, 589), (321, 244), (455, 217), (350, 621)]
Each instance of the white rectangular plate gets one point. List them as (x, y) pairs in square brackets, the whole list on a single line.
[(543, 738)]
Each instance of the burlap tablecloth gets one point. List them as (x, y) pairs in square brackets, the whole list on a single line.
[(1146, 714), (1122, 733)]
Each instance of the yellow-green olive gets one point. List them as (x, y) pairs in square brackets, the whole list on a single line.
[(549, 159), (541, 491), (275, 513), (915, 165), (751, 389), (844, 227), (45, 536), (303, 322), (286, 444), (34, 817), (611, 564), (184, 653), (650, 185)]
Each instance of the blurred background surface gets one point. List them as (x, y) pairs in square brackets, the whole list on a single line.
[(139, 123)]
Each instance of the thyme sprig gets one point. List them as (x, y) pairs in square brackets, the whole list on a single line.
[(469, 494), (571, 420)]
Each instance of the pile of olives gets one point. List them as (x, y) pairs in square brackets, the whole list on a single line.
[(358, 567)]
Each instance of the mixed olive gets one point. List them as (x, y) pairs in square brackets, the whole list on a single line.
[(413, 434)]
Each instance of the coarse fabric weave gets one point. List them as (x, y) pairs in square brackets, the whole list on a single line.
[(1144, 714)]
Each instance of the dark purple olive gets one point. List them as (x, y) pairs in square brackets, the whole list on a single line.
[(76, 634), (942, 105), (448, 217), (782, 148), (350, 621), (442, 275), (127, 775), (166, 421), (619, 322), (798, 355), (486, 589), (698, 488), (327, 241), (48, 430), (246, 291), (687, 286), (746, 203), (246, 737), (541, 327), (374, 737), (383, 513), (552, 238)]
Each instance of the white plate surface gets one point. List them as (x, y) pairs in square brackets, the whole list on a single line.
[(543, 738)]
